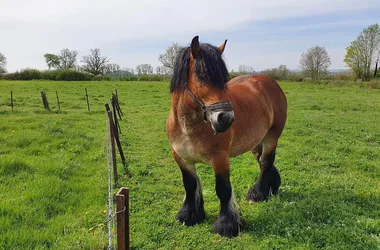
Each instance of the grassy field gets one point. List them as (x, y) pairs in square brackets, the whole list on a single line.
[(53, 177)]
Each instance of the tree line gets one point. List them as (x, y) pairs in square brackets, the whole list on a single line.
[(362, 57)]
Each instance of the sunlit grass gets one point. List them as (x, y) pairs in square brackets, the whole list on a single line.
[(53, 177)]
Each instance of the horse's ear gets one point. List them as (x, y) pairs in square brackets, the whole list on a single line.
[(222, 47), (195, 48)]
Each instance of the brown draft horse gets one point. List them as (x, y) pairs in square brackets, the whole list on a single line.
[(212, 120)]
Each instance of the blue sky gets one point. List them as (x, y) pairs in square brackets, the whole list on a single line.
[(260, 34)]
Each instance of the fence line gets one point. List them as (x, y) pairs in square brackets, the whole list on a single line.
[(122, 196), (110, 189)]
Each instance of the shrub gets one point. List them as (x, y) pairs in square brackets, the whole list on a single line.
[(28, 74), (130, 78), (295, 77), (72, 75), (154, 77), (9, 76)]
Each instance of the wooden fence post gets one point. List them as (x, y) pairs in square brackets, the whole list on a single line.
[(59, 105), (88, 103), (45, 101), (117, 125), (12, 100), (115, 103), (122, 210), (113, 149)]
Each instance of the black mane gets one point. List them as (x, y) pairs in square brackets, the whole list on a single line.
[(209, 68)]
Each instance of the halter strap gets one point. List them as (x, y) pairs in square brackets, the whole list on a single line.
[(194, 98), (217, 106)]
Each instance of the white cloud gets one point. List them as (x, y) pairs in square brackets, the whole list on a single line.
[(28, 29)]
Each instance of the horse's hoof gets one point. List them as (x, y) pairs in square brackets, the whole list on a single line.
[(188, 217), (255, 196), (227, 226)]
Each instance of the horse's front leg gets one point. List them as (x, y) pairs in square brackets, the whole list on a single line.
[(192, 210), (228, 223)]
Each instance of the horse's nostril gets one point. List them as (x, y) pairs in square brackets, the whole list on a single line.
[(221, 118), (225, 119)]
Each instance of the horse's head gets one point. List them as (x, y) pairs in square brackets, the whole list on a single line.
[(202, 74)]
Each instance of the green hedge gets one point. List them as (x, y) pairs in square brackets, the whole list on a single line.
[(73, 75), (53, 75)]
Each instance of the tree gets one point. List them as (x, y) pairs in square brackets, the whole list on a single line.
[(95, 63), (112, 68), (280, 73), (315, 62), (3, 63), (362, 52), (168, 58), (162, 70), (283, 71), (246, 69), (144, 69), (68, 59), (376, 65), (52, 61)]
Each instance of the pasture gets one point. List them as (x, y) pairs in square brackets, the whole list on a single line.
[(53, 176)]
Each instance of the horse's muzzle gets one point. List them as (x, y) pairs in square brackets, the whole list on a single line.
[(221, 121)]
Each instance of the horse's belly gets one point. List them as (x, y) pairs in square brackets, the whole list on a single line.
[(243, 147), (245, 142)]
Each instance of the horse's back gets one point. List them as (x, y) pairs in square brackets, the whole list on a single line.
[(260, 105), (261, 87)]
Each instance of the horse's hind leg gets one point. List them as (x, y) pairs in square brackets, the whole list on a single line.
[(257, 151), (269, 180), (192, 210)]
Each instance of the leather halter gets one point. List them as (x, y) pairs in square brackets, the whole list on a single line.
[(217, 106)]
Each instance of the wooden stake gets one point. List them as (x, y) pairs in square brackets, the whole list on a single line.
[(116, 101), (12, 100), (117, 138), (45, 101), (122, 210), (59, 105), (113, 149), (88, 103), (117, 125)]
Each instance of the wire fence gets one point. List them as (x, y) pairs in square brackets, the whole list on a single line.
[(110, 216), (118, 236)]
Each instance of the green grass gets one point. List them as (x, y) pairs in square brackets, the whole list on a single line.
[(53, 177)]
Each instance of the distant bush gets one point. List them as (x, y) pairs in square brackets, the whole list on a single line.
[(74, 75), (281, 73), (234, 74), (71, 75), (130, 78), (52, 75), (345, 76), (29, 74), (8, 76), (295, 77), (24, 74), (154, 77)]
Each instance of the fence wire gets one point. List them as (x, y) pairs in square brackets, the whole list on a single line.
[(110, 216)]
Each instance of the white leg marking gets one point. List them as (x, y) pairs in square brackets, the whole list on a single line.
[(232, 206)]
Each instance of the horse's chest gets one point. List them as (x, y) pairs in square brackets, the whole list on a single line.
[(187, 149)]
